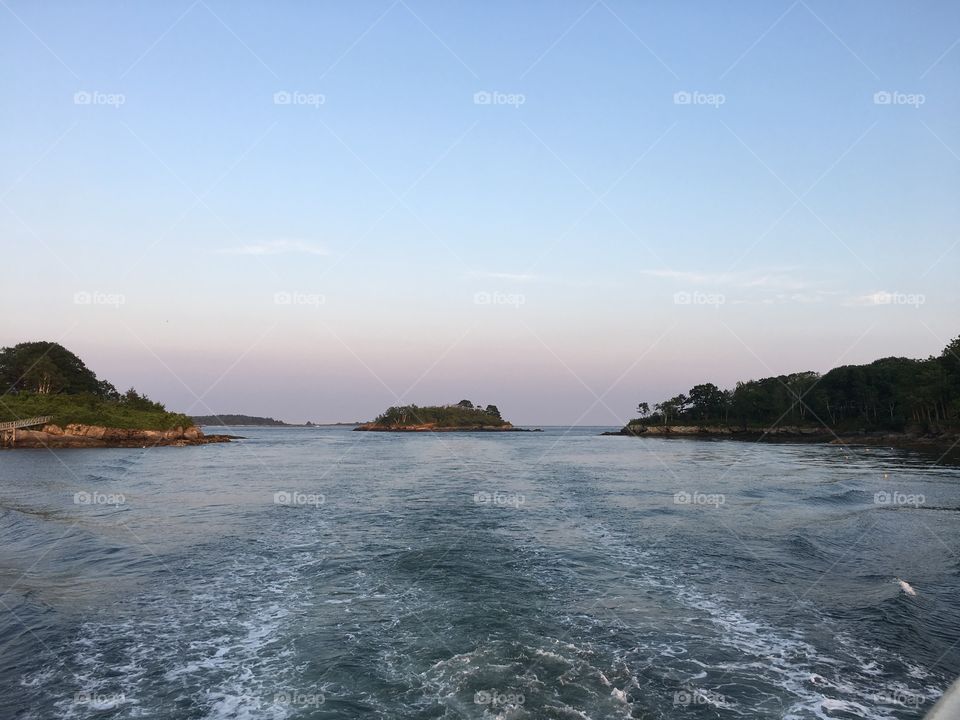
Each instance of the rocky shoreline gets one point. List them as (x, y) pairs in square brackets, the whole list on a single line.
[(76, 435), (789, 433)]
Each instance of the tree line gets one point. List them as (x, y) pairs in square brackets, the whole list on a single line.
[(892, 393), (49, 369), (463, 414)]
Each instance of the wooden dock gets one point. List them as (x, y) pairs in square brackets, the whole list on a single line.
[(8, 430)]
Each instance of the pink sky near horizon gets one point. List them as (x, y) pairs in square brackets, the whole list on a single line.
[(537, 370)]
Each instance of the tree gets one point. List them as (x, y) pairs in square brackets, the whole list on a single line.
[(45, 368), (661, 409), (707, 401), (680, 403), (493, 410), (643, 409), (43, 377), (137, 401), (671, 409), (465, 404)]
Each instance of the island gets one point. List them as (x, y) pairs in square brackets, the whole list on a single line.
[(891, 401), (50, 399), (462, 417)]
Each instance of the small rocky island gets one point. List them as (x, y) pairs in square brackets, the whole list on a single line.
[(462, 417), (50, 399)]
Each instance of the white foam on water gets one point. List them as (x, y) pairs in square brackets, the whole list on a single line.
[(817, 681), (545, 678), (222, 642)]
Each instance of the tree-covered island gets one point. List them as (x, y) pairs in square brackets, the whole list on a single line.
[(463, 417), (888, 399)]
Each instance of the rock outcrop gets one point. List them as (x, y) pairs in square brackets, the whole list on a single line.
[(722, 430), (787, 434), (79, 436)]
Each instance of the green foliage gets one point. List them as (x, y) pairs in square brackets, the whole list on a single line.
[(888, 394), (441, 415), (48, 368), (707, 401), (88, 409), (44, 378)]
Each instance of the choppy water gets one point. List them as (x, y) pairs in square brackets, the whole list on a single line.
[(537, 575)]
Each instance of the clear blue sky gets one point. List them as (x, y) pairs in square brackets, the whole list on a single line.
[(526, 251)]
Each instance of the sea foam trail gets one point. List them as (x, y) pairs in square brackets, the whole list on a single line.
[(409, 594)]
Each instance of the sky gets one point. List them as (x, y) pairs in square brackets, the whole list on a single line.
[(313, 211)]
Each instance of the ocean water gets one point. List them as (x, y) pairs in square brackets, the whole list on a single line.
[(321, 573)]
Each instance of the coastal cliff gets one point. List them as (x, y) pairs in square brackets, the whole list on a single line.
[(76, 435)]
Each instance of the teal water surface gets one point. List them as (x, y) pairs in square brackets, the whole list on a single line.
[(321, 573)]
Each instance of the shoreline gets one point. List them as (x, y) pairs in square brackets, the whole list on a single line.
[(77, 435), (789, 434)]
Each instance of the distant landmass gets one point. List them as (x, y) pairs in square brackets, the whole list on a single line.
[(256, 421), (462, 417), (890, 400), (230, 419)]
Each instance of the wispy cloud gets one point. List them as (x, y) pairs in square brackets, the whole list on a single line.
[(783, 298), (276, 247), (694, 278), (546, 280), (512, 277), (778, 282), (772, 279)]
